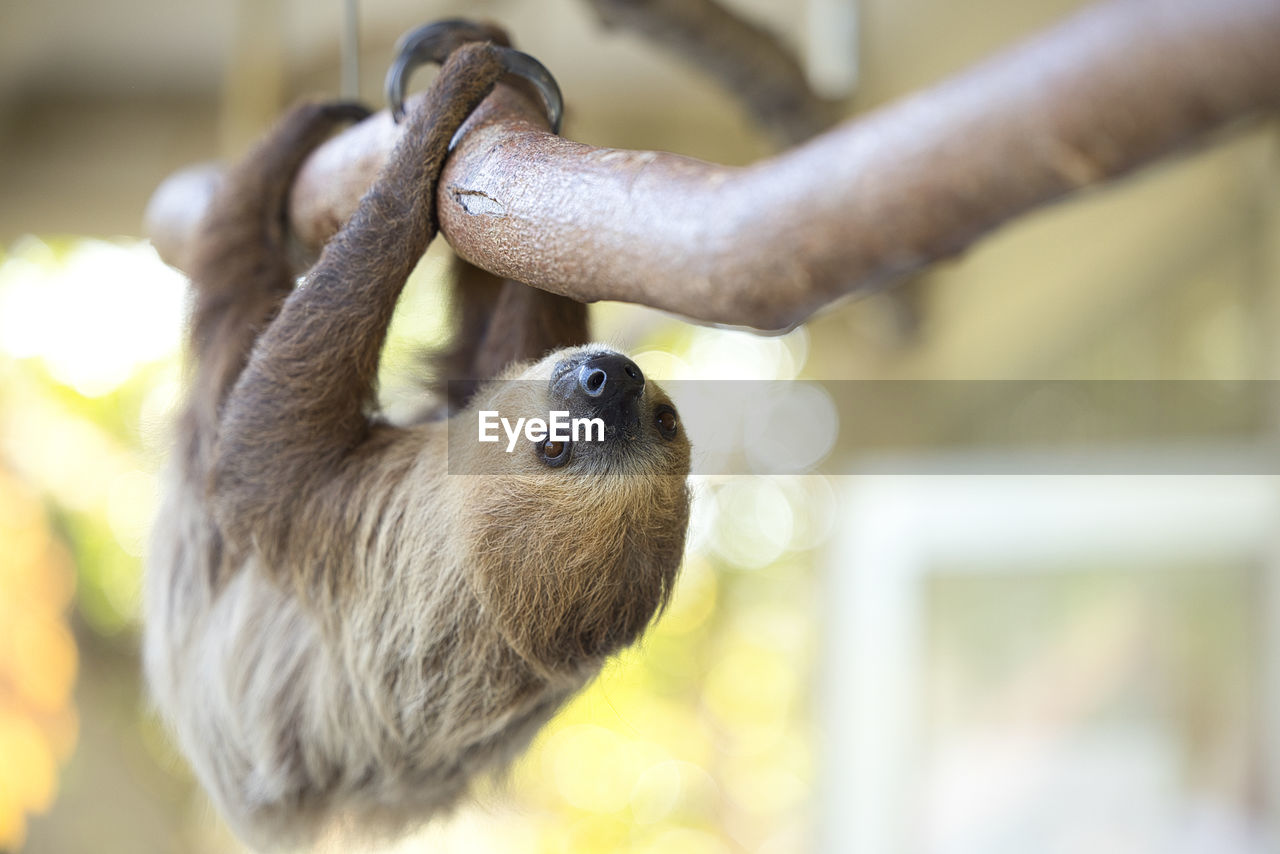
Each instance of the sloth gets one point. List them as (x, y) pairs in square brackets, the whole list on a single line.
[(347, 619)]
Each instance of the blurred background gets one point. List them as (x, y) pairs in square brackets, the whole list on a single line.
[(878, 662)]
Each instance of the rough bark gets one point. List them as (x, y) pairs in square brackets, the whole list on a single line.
[(765, 246)]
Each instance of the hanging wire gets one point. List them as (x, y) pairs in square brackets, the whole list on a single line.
[(351, 49)]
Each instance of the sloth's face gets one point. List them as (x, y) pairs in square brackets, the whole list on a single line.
[(571, 567), (611, 419)]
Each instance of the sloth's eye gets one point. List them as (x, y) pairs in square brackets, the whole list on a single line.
[(554, 453), (666, 421)]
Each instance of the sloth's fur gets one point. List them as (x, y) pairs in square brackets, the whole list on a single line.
[(340, 632)]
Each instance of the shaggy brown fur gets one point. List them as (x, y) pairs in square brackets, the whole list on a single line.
[(340, 632)]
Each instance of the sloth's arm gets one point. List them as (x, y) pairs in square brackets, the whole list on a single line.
[(297, 451), (498, 322), (240, 272), (527, 324)]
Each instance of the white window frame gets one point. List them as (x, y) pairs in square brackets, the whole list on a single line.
[(895, 531)]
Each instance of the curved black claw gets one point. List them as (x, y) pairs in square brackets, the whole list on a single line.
[(525, 66), (434, 42)]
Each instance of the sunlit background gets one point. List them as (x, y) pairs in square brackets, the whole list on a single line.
[(959, 664)]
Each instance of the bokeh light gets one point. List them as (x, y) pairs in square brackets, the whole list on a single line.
[(37, 660), (91, 313)]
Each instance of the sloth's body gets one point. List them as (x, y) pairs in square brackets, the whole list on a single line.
[(473, 606), (339, 630)]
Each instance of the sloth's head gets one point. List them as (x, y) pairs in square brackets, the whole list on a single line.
[(576, 542), (578, 411)]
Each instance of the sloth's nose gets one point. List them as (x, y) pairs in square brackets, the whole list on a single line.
[(610, 378)]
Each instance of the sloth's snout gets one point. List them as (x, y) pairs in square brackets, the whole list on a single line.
[(610, 378), (604, 385)]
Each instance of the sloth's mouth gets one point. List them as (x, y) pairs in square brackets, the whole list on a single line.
[(622, 420)]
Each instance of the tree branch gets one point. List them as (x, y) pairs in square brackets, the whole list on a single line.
[(747, 60), (765, 246)]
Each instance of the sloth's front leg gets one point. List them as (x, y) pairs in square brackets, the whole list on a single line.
[(295, 443)]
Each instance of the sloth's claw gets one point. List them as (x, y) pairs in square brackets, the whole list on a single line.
[(434, 42)]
